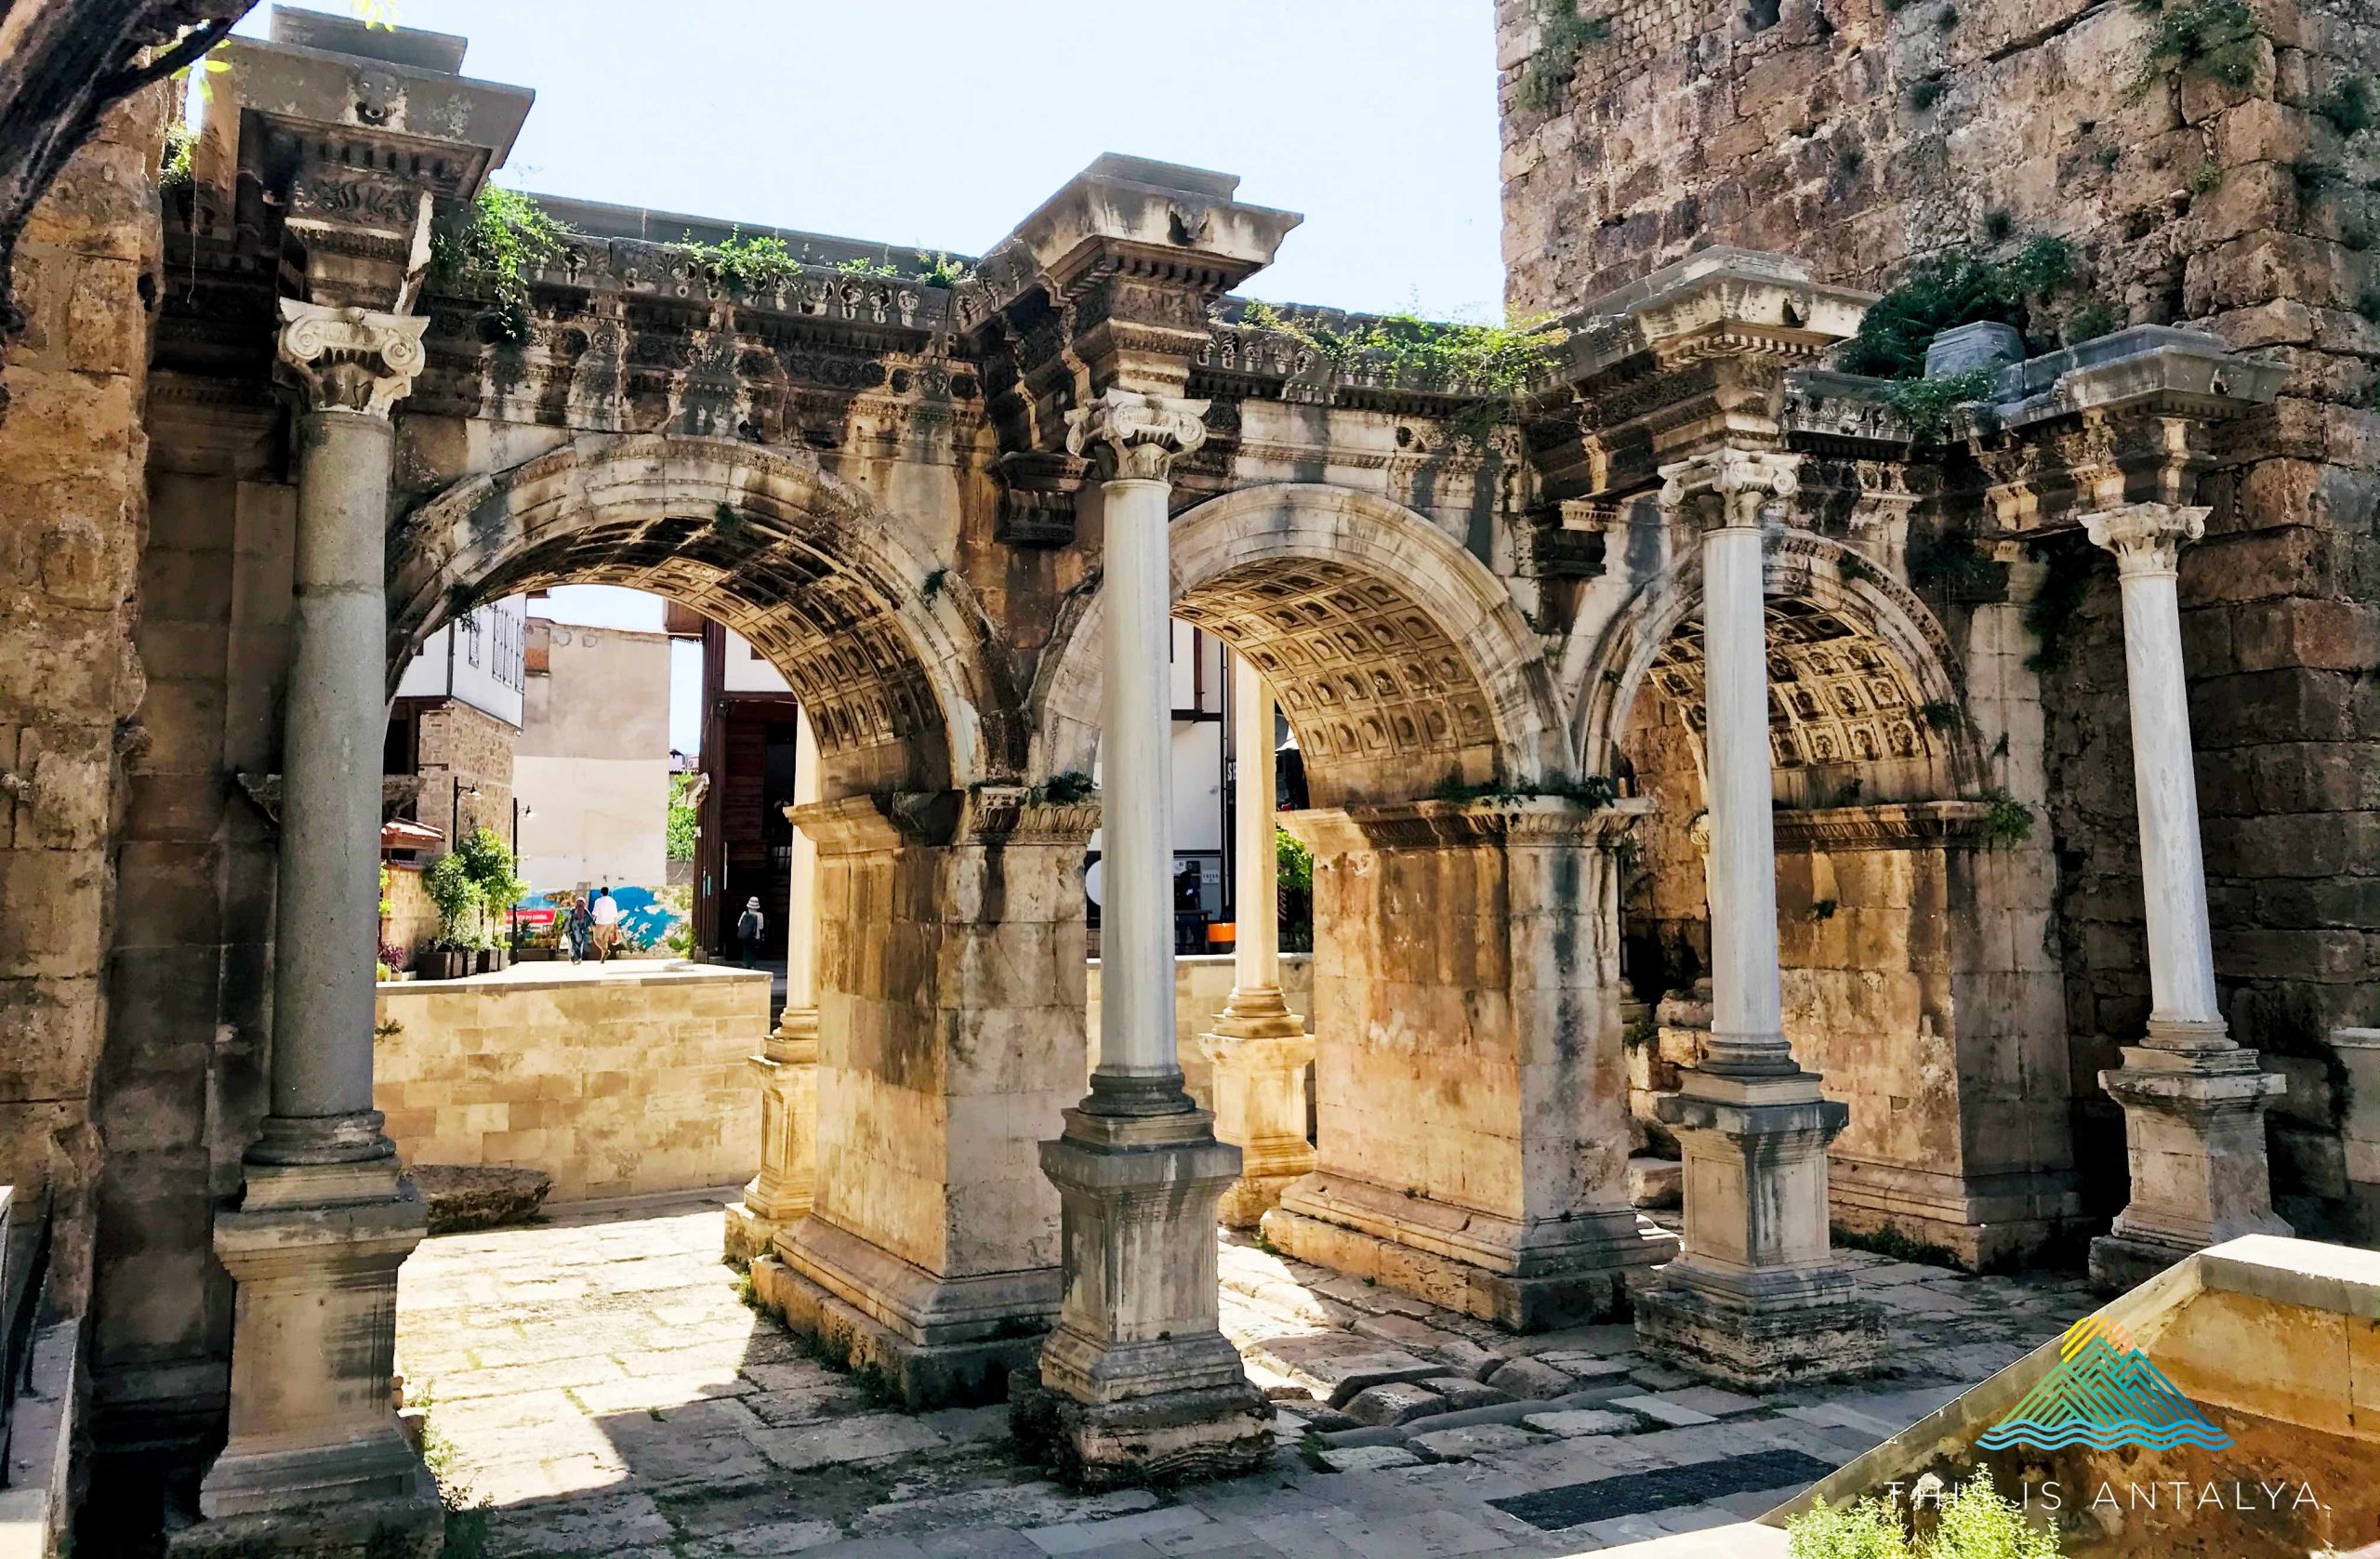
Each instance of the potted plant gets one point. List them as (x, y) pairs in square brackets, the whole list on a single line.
[(488, 861), (456, 898)]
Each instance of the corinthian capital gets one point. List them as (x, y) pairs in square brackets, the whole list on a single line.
[(1134, 437), (351, 359), (1731, 488), (2145, 539)]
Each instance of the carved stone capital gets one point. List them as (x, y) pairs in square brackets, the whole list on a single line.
[(351, 359), (1132, 437), (2145, 539), (1730, 488)]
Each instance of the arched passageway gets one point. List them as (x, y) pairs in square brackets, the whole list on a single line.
[(1910, 923), (1468, 1090)]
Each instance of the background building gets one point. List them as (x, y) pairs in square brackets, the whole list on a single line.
[(592, 766), (456, 721)]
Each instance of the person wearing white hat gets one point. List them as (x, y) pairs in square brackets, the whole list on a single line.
[(748, 929)]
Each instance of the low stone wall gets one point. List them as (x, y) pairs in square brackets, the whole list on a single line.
[(615, 1082), (1201, 989)]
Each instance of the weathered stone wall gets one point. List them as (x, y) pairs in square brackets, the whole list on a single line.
[(2244, 210), (616, 1085), (72, 451)]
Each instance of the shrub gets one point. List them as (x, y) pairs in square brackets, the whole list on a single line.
[(1927, 90), (1931, 405), (1975, 1523), (456, 898), (1948, 290), (2213, 39), (2348, 106), (502, 238)]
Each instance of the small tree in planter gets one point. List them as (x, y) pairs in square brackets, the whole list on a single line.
[(456, 897), (487, 860)]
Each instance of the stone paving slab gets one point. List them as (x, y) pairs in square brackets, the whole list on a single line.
[(604, 1389)]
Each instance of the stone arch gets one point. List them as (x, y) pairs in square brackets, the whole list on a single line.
[(1398, 658), (881, 644), (1861, 671)]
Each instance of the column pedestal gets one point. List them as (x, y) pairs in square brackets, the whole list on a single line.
[(1260, 1051), (315, 1462), (779, 1195), (1138, 1384), (1757, 1300), (2194, 1133)]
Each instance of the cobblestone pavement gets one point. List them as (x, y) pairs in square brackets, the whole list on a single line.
[(596, 1381)]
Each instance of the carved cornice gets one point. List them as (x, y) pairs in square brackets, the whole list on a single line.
[(1899, 825), (2145, 539), (1131, 437), (1009, 814), (1730, 488), (351, 359), (1514, 821)]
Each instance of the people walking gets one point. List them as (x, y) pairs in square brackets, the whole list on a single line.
[(607, 924), (748, 929), (578, 926)]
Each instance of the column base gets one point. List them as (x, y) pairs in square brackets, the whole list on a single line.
[(2194, 1107), (1141, 1385), (779, 1196), (404, 1526), (1982, 1222), (1260, 1050), (1190, 1437), (1528, 1276), (929, 1340), (1756, 1300), (1790, 1328), (750, 1232)]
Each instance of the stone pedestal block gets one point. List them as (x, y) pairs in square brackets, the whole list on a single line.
[(1527, 1274), (1757, 1300), (931, 1341), (779, 1195), (314, 1251), (2194, 1132), (1260, 1050), (1143, 1385)]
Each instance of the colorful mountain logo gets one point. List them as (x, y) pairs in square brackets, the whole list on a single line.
[(2104, 1394)]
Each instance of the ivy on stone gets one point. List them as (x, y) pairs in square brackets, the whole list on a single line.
[(2216, 40), (1499, 363), (503, 237)]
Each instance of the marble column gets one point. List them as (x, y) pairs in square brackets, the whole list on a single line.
[(1138, 1381), (2193, 1101), (787, 1068), (1260, 1049), (1756, 1299), (325, 1219)]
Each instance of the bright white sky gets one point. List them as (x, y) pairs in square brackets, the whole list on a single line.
[(939, 123)]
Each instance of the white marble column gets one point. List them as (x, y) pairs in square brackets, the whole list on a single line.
[(1756, 1298), (2193, 1101), (1260, 1049), (1139, 1383), (787, 1068), (324, 1219)]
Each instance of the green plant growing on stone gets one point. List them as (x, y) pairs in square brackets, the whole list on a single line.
[(939, 271), (2310, 178), (1930, 406), (1564, 36), (2107, 157), (1500, 363), (684, 825), (726, 520), (1595, 791), (2367, 305), (2349, 105), (2206, 176), (744, 266), (1947, 18), (1997, 225), (2089, 322), (1927, 90), (1939, 714), (175, 172), (2215, 40), (931, 586), (863, 266), (501, 238), (1953, 288), (1071, 789), (2009, 823)]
